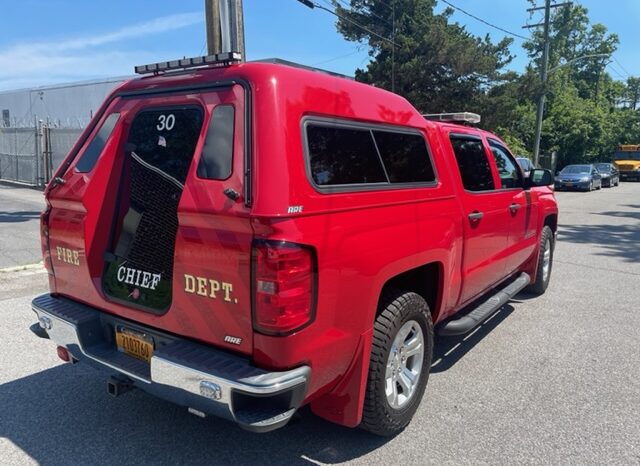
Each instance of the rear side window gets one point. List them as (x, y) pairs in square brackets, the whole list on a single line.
[(473, 164), (217, 154), (165, 139), (405, 157), (343, 156), (95, 148), (360, 155)]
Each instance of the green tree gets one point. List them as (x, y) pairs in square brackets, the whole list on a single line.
[(439, 66), (582, 117)]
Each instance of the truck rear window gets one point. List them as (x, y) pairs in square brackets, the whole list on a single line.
[(166, 139), (217, 154), (90, 156)]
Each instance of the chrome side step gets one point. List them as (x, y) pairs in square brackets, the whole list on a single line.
[(466, 323)]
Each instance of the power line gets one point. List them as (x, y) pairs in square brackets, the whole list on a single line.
[(348, 7), (384, 3), (356, 50), (620, 65), (312, 5), (484, 21), (612, 68)]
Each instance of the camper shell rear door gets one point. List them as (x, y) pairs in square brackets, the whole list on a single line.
[(150, 228)]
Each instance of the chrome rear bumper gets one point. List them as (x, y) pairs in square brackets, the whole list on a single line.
[(199, 377)]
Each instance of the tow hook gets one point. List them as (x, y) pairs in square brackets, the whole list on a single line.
[(117, 386)]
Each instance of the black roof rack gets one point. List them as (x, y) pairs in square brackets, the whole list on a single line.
[(219, 59)]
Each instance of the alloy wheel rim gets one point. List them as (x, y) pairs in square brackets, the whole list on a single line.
[(404, 364), (546, 260)]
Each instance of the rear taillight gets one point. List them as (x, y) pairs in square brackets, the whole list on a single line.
[(284, 286), (44, 239)]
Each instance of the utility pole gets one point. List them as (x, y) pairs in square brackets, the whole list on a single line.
[(393, 46), (225, 26), (543, 72), (212, 16)]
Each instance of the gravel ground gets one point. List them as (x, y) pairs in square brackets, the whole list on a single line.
[(548, 380)]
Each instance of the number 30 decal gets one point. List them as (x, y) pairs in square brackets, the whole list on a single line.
[(166, 122)]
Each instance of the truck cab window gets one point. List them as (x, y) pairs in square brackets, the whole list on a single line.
[(473, 164), (507, 168)]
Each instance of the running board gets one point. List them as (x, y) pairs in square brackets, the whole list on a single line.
[(485, 310)]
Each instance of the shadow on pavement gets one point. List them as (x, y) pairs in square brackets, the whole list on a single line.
[(16, 217), (449, 350), (64, 416), (620, 241)]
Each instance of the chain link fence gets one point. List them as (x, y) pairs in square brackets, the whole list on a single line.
[(32, 155), (18, 155)]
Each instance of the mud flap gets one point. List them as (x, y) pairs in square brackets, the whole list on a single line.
[(344, 404)]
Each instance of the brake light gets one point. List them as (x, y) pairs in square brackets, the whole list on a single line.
[(284, 286)]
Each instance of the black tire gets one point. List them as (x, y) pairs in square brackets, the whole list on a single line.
[(542, 279), (396, 309)]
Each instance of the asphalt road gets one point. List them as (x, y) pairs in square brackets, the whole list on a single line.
[(20, 226), (548, 380)]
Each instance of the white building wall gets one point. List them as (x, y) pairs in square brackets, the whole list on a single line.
[(65, 106)]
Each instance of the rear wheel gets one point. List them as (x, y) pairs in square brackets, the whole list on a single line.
[(400, 362), (545, 262)]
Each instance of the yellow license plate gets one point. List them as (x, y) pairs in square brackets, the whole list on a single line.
[(134, 344)]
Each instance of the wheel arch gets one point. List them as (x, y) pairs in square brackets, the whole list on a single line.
[(426, 280), (551, 221)]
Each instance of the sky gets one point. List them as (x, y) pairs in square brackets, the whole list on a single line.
[(44, 42)]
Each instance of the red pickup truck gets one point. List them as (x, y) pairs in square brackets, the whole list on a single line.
[(246, 238)]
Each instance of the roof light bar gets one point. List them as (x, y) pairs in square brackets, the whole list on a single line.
[(463, 117), (222, 59)]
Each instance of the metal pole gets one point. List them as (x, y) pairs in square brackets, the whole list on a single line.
[(225, 26), (543, 76), (212, 16), (239, 29), (393, 46), (36, 151)]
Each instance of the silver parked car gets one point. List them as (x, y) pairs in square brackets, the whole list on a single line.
[(609, 173)]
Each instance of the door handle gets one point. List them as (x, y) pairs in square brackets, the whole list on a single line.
[(514, 207), (475, 216)]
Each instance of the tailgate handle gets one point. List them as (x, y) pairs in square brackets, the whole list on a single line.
[(514, 207), (475, 216)]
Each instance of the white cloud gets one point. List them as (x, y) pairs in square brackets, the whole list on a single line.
[(27, 64)]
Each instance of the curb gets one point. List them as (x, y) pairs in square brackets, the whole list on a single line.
[(24, 268), (20, 184)]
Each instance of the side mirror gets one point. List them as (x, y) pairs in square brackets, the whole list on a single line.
[(539, 177)]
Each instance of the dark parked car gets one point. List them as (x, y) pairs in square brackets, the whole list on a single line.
[(610, 174), (585, 177), (525, 164)]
